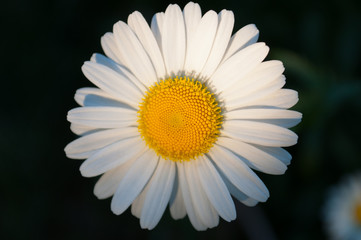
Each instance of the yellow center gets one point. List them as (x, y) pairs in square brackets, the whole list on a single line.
[(179, 118), (358, 213)]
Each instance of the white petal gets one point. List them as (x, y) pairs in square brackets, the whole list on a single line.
[(82, 129), (224, 31), (176, 203), (173, 40), (113, 83), (120, 69), (201, 203), (254, 156), (135, 57), (92, 97), (250, 202), (109, 181), (215, 189), (158, 194), (157, 27), (112, 156), (235, 192), (81, 93), (241, 39), (286, 123), (134, 181), (239, 65), (259, 92), (278, 153), (259, 133), (282, 98), (240, 196), (85, 146), (192, 16), (239, 174), (281, 117), (263, 75), (199, 44), (103, 117), (193, 218), (110, 48), (138, 203), (141, 28), (262, 113)]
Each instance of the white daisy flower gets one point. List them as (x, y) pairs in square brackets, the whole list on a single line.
[(342, 211), (182, 114)]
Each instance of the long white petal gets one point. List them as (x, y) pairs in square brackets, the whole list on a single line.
[(224, 32), (254, 156), (280, 117), (82, 130), (199, 44), (193, 218), (261, 91), (103, 117), (141, 28), (239, 65), (157, 27), (120, 69), (215, 189), (82, 93), (279, 153), (85, 146), (173, 40), (158, 194), (264, 74), (110, 47), (176, 203), (201, 203), (282, 98), (134, 181), (262, 113), (113, 83), (192, 14), (135, 57), (259, 133), (109, 181), (235, 192), (239, 174), (93, 97), (112, 156), (240, 196), (138, 203), (193, 24), (241, 39)]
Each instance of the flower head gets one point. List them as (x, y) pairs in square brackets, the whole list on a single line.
[(342, 211), (182, 114)]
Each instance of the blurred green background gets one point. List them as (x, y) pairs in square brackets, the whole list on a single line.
[(43, 45)]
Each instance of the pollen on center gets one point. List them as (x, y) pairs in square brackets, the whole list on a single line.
[(179, 118)]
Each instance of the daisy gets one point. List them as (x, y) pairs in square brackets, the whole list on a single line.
[(183, 114), (342, 211)]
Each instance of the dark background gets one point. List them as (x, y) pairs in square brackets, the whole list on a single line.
[(43, 45)]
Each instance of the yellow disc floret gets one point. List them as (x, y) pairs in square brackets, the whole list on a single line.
[(179, 118)]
